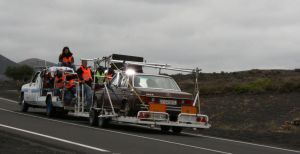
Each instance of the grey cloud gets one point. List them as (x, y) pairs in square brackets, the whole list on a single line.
[(215, 35)]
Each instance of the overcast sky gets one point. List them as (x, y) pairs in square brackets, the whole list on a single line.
[(216, 35)]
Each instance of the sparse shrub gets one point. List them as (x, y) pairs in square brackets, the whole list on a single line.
[(297, 70), (257, 86)]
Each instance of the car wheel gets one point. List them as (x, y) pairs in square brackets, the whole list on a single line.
[(93, 118), (165, 129), (24, 105), (176, 130), (50, 110)]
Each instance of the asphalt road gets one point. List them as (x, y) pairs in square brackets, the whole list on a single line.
[(76, 136)]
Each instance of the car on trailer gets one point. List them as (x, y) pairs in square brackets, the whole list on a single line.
[(147, 99)]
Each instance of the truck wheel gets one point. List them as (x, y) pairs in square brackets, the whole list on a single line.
[(24, 106), (93, 118), (50, 110), (176, 130), (165, 129)]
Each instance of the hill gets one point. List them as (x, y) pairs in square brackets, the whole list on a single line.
[(35, 62), (252, 81), (5, 62)]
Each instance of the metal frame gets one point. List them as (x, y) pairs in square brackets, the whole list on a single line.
[(108, 62)]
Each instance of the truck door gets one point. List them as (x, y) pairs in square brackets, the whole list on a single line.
[(34, 89)]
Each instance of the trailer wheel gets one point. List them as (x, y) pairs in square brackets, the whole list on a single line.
[(24, 106), (176, 130), (165, 129), (104, 122), (93, 118), (50, 110)]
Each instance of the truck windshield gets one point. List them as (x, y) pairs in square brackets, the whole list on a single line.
[(151, 81)]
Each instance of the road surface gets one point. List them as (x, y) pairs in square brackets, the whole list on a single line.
[(74, 135)]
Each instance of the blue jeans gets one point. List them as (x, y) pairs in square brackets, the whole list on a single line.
[(87, 95)]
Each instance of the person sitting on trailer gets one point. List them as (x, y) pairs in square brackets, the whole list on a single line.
[(70, 88), (85, 76), (48, 80), (59, 82), (66, 58)]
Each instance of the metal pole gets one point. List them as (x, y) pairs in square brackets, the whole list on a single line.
[(112, 107), (197, 89), (83, 97), (78, 97)]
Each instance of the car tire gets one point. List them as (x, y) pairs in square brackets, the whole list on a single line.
[(93, 118), (165, 129), (50, 110), (24, 106), (176, 130)]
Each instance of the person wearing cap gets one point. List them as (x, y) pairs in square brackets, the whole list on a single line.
[(66, 58), (85, 76)]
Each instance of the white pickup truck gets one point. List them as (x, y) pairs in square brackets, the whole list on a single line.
[(39, 93)]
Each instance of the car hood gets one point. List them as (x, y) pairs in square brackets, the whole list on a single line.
[(165, 93)]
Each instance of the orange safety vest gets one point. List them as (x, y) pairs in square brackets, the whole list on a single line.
[(67, 59), (86, 73), (70, 84), (59, 84)]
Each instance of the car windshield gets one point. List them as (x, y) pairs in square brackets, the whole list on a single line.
[(150, 81)]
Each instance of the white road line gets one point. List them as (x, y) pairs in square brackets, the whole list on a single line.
[(9, 100), (236, 141), (116, 132), (199, 135), (53, 138)]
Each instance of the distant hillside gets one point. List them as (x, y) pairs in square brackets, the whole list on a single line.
[(5, 62), (35, 62), (252, 81)]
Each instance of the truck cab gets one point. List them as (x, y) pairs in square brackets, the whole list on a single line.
[(41, 87)]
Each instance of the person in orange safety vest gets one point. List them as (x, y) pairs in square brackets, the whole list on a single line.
[(59, 80), (70, 82), (70, 88), (85, 75), (66, 58)]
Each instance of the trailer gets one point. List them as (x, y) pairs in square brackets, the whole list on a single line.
[(121, 100), (131, 96)]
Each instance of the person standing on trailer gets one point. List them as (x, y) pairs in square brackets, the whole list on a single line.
[(66, 58), (85, 76), (100, 76)]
